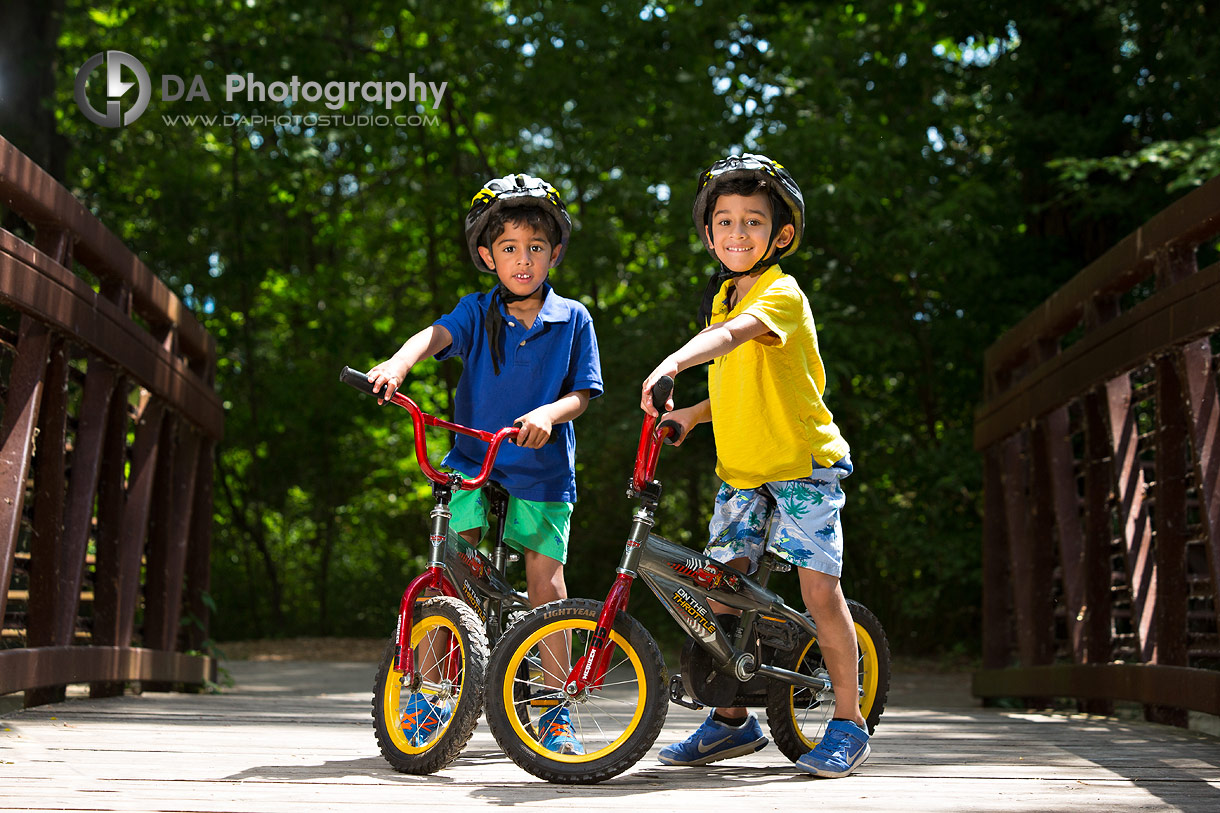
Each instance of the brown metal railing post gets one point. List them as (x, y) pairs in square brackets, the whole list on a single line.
[(46, 542), (17, 439)]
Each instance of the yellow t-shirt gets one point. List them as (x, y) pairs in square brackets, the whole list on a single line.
[(766, 395)]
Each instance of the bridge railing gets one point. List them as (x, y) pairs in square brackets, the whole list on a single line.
[(107, 431), (1100, 431)]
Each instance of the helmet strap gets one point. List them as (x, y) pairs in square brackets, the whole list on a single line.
[(718, 279), (494, 323)]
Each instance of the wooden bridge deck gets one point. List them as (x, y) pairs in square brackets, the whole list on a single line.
[(297, 736)]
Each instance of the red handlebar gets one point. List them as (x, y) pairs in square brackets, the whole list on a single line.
[(420, 419)]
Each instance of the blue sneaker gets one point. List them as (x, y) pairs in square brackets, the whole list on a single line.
[(421, 720), (841, 751), (557, 734), (713, 741)]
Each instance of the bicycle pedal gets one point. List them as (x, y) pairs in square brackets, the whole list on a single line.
[(677, 693)]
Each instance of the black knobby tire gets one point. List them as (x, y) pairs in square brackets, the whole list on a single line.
[(616, 723), (796, 717), (435, 620)]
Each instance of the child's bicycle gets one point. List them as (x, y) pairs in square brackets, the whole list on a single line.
[(618, 689), (428, 694)]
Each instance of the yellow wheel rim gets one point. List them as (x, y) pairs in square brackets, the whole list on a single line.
[(392, 691), (510, 676)]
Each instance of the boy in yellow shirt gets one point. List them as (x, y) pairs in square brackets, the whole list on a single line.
[(778, 450)]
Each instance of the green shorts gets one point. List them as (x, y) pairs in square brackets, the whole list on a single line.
[(530, 525)]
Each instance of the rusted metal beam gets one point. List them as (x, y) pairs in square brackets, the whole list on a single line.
[(47, 666), (1187, 222), (16, 439), (1134, 524), (167, 556), (198, 572), (1031, 584), (32, 193), (1059, 484), (1176, 686), (100, 381), (997, 635), (1185, 311), (36, 285), (1198, 375)]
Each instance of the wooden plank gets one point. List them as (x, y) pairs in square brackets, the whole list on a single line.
[(297, 736), (16, 439)]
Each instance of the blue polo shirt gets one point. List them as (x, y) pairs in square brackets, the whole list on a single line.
[(557, 354)]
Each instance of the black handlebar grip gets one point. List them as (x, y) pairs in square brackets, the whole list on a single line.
[(670, 440), (357, 379), (661, 391)]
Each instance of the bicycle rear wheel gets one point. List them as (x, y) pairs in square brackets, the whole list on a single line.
[(616, 723), (424, 720), (798, 717)]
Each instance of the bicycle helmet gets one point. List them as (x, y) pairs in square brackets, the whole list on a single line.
[(761, 168), (514, 190)]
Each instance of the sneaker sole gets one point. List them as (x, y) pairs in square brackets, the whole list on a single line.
[(740, 750), (826, 774)]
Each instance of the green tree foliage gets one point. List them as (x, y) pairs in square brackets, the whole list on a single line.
[(952, 157)]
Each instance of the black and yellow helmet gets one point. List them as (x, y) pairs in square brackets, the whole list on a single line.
[(762, 168), (514, 190)]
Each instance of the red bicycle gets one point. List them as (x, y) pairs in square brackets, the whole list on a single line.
[(617, 692), (428, 694)]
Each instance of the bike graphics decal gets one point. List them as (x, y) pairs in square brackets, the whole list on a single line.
[(474, 562), (706, 575), (472, 598), (696, 613)]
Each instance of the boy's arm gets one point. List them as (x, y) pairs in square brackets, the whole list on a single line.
[(711, 342), (536, 425), (690, 417), (393, 371)]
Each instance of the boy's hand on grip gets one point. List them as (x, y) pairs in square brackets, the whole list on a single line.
[(656, 396), (389, 375)]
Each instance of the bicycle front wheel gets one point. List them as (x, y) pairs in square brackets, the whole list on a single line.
[(798, 717), (615, 722), (424, 720)]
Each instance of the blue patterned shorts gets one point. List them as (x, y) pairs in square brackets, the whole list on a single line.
[(796, 519)]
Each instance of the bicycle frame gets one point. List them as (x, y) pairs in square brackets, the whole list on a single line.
[(684, 581), (452, 561)]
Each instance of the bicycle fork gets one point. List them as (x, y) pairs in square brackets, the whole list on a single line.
[(433, 578), (590, 670)]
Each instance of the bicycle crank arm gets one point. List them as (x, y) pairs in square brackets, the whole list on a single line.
[(819, 684)]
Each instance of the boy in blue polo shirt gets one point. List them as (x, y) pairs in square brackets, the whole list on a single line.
[(530, 358)]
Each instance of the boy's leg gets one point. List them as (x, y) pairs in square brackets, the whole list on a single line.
[(544, 583), (844, 745), (836, 638)]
